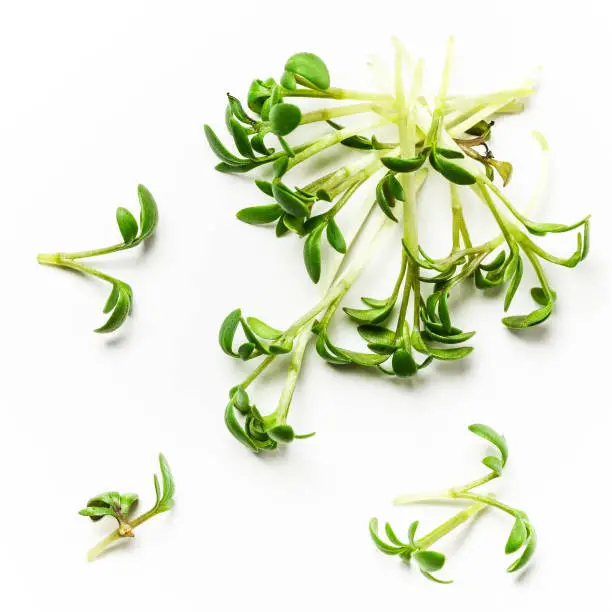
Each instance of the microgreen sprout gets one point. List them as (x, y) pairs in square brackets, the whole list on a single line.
[(121, 505), (522, 535), (119, 302), (413, 325)]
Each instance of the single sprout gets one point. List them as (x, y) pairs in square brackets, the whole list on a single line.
[(121, 506), (522, 535), (119, 302), (413, 325)]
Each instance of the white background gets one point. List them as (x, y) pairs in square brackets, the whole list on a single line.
[(97, 97)]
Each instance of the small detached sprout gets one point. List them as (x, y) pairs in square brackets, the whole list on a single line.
[(119, 302), (522, 535), (120, 506), (413, 325)]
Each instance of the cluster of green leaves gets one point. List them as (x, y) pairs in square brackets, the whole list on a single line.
[(425, 333), (121, 506), (522, 537), (119, 303)]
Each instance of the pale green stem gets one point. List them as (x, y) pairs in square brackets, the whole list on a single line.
[(332, 113), (57, 260), (461, 517), (101, 546)]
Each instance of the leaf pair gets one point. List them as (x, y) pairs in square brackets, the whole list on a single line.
[(439, 160), (495, 464), (388, 191), (427, 561), (310, 67), (312, 245), (261, 338), (354, 142)]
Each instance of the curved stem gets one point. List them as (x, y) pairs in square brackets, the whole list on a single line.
[(339, 111), (57, 260)]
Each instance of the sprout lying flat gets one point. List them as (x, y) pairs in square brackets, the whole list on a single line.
[(412, 327)]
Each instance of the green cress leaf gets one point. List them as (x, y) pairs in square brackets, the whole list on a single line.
[(412, 532), (259, 145), (149, 214), (311, 67), (495, 263), (263, 330), (112, 299), (228, 331), (494, 464), (280, 166), (236, 429), (528, 551), (372, 315), (432, 336), (220, 151), (376, 334), (128, 226), (246, 350), (289, 201), (335, 237), (431, 577), (128, 501), (281, 229), (295, 224), (353, 142), (238, 110), (96, 513), (403, 363), (540, 297), (490, 435), (166, 502), (260, 215), (312, 254), (264, 186), (282, 433), (252, 338), (259, 92), (517, 536), (449, 354), (429, 560), (515, 282), (120, 311), (401, 164), (449, 153), (284, 118), (384, 199), (382, 546), (533, 318), (287, 80), (450, 171), (241, 137), (391, 536)]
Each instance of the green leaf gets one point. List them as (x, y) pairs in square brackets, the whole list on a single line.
[(312, 254), (228, 331), (517, 536), (450, 171), (295, 224), (449, 153), (402, 164), (515, 282), (280, 167), (259, 92), (363, 359), (449, 354), (127, 501), (236, 429), (246, 350), (221, 152), (432, 336), (533, 318), (382, 546), (494, 464), (149, 214), (265, 186), (252, 338), (258, 143), (443, 313), (238, 110), (260, 215), (241, 399), (281, 229), (284, 118), (495, 263), (489, 434), (391, 535), (289, 201), (95, 513), (128, 226), (412, 532), (403, 363), (376, 334), (384, 199), (429, 560), (120, 311), (541, 297), (369, 316), (434, 579), (528, 551), (335, 237), (166, 502), (311, 67), (281, 433), (263, 330), (287, 80), (241, 137), (112, 299)]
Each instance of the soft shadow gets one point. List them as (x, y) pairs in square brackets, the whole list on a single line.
[(532, 335), (525, 574)]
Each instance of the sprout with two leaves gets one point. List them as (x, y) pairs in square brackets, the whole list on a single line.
[(414, 326), (120, 506), (522, 535), (119, 302)]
